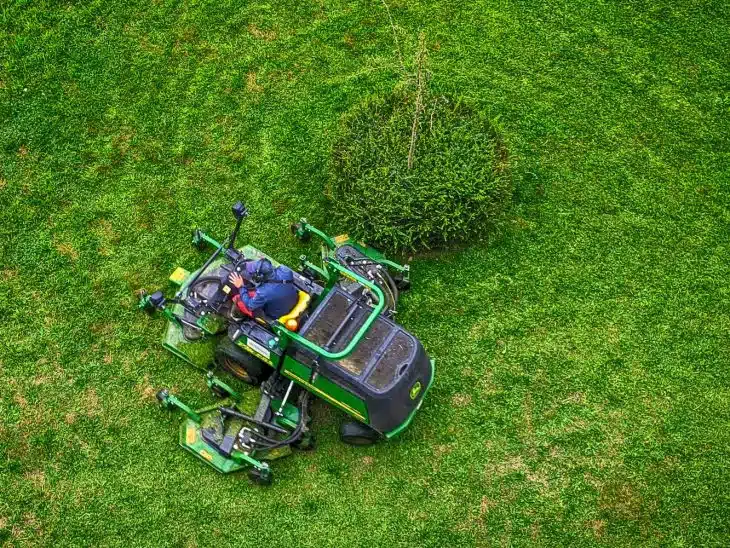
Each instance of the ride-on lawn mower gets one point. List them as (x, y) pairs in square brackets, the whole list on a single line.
[(339, 342)]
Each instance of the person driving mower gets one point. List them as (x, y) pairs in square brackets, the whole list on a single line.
[(264, 289)]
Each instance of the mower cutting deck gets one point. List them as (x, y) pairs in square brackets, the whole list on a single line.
[(339, 342)]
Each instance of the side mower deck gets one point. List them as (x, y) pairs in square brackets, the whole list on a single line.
[(191, 439), (242, 431)]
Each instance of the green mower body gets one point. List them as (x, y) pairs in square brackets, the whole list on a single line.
[(340, 344)]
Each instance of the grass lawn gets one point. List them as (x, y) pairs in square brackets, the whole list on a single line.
[(582, 390)]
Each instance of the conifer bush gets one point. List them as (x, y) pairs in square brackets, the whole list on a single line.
[(409, 173)]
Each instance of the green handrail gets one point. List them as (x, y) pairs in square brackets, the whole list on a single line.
[(285, 334)]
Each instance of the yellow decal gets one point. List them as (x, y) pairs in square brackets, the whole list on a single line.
[(207, 456), (262, 358), (341, 239), (259, 356), (251, 351), (346, 275), (179, 275), (190, 436), (415, 390)]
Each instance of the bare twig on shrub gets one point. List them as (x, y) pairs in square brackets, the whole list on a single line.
[(420, 88), (395, 38)]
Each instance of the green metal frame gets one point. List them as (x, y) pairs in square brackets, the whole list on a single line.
[(331, 272), (214, 382), (325, 388), (168, 401), (304, 229)]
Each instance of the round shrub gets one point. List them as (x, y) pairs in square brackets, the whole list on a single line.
[(456, 189)]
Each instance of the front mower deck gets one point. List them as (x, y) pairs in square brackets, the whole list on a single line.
[(199, 351)]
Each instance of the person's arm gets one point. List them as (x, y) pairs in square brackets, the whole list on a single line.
[(255, 299), (241, 306), (237, 282)]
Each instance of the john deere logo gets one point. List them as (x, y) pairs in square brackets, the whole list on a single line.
[(415, 390)]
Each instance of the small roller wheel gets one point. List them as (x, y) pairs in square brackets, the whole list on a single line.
[(143, 302), (162, 395), (198, 240), (296, 229), (305, 443), (401, 283), (260, 476)]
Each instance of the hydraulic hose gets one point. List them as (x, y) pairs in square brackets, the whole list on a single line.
[(296, 433), (202, 280), (389, 285)]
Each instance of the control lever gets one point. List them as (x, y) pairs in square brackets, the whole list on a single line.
[(315, 371), (240, 212)]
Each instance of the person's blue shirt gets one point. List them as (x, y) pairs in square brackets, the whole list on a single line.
[(273, 297)]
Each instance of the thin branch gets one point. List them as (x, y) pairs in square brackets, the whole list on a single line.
[(395, 38), (420, 84)]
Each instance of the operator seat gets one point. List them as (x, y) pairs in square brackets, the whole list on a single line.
[(296, 312)]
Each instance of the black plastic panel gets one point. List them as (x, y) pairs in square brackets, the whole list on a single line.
[(397, 354)]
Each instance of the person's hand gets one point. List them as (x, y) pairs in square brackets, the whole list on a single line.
[(236, 279)]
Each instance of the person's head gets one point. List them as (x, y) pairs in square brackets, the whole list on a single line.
[(259, 271)]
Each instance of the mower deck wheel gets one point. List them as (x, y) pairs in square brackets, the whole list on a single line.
[(305, 443), (198, 240), (402, 284), (357, 433), (260, 477)]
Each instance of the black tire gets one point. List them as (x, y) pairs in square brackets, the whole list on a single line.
[(357, 433), (401, 284), (260, 477), (162, 395), (240, 363)]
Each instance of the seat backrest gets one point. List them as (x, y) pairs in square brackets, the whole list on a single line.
[(299, 308)]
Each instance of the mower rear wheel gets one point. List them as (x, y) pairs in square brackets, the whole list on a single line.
[(357, 433), (240, 363)]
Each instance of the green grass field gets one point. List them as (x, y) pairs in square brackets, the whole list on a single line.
[(581, 395)]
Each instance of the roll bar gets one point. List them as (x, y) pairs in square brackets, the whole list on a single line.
[(285, 335)]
